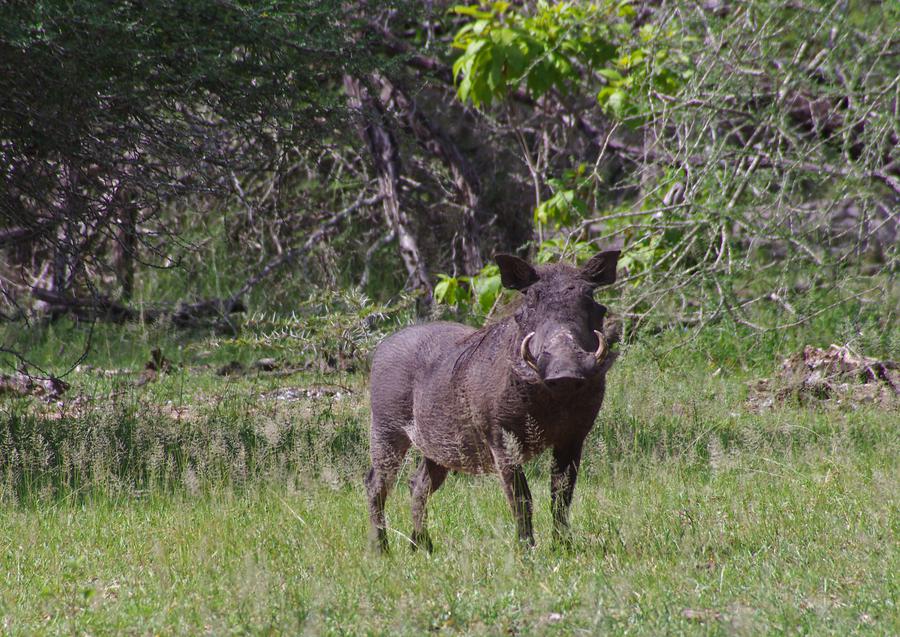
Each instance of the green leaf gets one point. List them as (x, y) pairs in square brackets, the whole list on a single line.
[(472, 11), (610, 74), (442, 290), (495, 80), (541, 214), (487, 288), (464, 90), (616, 102), (541, 78), (625, 10)]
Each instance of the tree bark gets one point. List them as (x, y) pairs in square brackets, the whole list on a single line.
[(126, 245), (386, 155), (433, 139)]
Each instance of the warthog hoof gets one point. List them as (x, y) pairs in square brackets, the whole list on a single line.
[(422, 541)]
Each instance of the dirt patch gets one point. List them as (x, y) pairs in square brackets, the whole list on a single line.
[(836, 375), (701, 615), (293, 394)]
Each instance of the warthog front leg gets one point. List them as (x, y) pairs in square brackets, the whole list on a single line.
[(519, 497), (562, 485), (427, 479)]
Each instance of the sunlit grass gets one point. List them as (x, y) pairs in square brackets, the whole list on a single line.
[(803, 543), (208, 504)]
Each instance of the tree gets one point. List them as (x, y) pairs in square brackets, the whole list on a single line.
[(727, 136), (704, 139), (110, 111)]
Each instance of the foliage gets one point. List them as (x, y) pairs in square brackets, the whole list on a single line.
[(114, 116), (560, 46), (567, 205), (503, 48), (183, 67), (721, 158), (554, 250), (743, 155), (340, 327), (483, 289), (726, 140), (652, 68), (452, 290)]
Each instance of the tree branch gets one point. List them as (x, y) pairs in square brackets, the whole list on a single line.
[(312, 241)]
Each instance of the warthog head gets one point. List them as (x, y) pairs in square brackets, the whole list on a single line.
[(560, 337)]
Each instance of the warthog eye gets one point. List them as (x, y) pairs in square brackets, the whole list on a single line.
[(533, 297), (597, 312)]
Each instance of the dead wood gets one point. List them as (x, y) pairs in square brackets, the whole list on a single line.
[(837, 374), (21, 384), (465, 179), (102, 308), (385, 154)]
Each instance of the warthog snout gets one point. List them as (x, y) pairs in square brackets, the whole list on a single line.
[(563, 365)]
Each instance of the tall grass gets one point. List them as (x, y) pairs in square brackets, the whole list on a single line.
[(208, 504), (752, 546), (135, 442), (668, 398)]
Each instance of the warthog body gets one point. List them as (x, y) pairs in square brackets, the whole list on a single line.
[(488, 400)]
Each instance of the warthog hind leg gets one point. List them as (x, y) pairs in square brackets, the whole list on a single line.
[(427, 479), (387, 457)]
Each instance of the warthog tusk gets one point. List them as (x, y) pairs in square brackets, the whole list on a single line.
[(526, 353), (602, 348)]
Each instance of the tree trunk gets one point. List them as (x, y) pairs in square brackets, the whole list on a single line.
[(126, 245), (465, 179), (64, 256), (385, 153)]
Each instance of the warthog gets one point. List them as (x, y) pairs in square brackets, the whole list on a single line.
[(488, 400)]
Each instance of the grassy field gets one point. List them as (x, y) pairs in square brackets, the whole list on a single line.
[(208, 504)]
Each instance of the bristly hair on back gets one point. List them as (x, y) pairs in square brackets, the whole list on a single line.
[(476, 340)]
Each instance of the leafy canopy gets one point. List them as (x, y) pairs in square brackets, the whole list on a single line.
[(564, 47), (140, 90)]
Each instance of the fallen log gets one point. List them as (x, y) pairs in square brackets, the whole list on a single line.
[(99, 307)]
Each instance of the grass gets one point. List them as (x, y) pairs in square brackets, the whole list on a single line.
[(202, 504), (660, 547)]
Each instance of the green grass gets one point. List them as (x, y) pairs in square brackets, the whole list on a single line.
[(202, 504), (803, 544)]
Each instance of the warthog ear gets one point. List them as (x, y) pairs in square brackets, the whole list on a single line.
[(515, 273), (601, 269)]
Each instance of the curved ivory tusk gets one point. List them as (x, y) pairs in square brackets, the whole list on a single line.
[(602, 348), (526, 353)]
